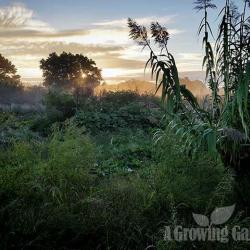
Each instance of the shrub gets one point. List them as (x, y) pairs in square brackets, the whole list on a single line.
[(15, 127), (123, 152), (113, 111), (40, 184), (60, 105), (52, 198), (60, 100)]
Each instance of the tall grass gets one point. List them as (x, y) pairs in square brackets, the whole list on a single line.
[(223, 128), (52, 196)]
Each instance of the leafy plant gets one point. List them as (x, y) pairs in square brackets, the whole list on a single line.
[(9, 79), (223, 126), (114, 111), (52, 198), (60, 100), (123, 152)]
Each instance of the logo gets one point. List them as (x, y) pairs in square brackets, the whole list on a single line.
[(210, 228), (218, 217)]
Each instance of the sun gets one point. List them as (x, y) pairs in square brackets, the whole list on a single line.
[(84, 75)]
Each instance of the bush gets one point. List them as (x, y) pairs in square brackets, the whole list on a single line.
[(60, 105), (120, 98), (40, 184), (113, 111), (61, 101), (193, 180), (62, 192), (53, 198), (15, 127), (123, 152)]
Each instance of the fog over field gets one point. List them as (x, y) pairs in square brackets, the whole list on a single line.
[(33, 95), (198, 88)]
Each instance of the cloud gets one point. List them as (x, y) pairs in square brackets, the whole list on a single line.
[(143, 21), (117, 31), (189, 61), (19, 22), (114, 73), (25, 40), (25, 33), (17, 15), (115, 60), (190, 56), (45, 48)]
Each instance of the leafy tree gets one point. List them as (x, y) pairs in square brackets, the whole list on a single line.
[(8, 76), (70, 71)]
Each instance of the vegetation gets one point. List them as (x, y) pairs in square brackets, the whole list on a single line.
[(222, 127), (70, 71), (8, 76), (113, 111), (112, 171), (91, 182), (88, 188)]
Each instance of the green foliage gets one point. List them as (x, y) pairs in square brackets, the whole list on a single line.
[(68, 70), (202, 171), (8, 76), (60, 105), (113, 111), (111, 100), (60, 100), (114, 188), (227, 64), (15, 128), (123, 152), (52, 196), (39, 183), (43, 123), (165, 68)]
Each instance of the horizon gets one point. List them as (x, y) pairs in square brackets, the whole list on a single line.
[(191, 75)]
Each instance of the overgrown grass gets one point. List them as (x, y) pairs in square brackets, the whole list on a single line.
[(82, 187)]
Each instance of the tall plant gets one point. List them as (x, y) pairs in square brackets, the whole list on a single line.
[(223, 126)]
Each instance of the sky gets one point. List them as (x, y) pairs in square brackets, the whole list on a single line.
[(32, 29)]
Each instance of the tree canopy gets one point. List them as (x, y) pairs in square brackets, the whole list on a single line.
[(8, 73), (69, 71)]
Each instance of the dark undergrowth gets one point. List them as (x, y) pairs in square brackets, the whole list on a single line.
[(94, 178)]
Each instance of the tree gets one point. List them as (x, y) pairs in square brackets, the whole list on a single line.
[(70, 71), (8, 76)]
